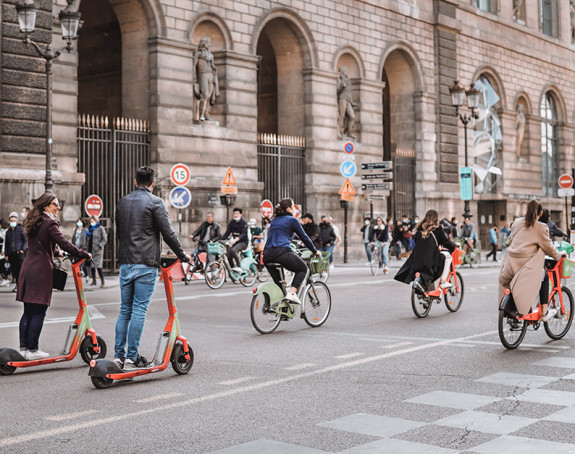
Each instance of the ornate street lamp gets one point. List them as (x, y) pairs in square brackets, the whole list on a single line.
[(458, 94), (69, 21)]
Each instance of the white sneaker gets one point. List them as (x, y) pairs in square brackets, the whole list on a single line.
[(38, 354), (445, 285), (332, 266), (293, 298), (385, 269), (4, 283), (237, 269), (549, 315)]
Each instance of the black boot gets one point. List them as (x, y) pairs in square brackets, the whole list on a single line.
[(102, 286), (93, 281)]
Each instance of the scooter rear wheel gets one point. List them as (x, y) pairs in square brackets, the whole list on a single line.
[(5, 369), (102, 382), (87, 351), (179, 363)]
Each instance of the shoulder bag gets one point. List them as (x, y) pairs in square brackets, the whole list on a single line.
[(59, 274)]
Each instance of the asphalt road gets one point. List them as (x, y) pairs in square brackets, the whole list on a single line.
[(373, 379)]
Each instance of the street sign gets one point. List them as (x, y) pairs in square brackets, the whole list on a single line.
[(213, 199), (384, 186), (347, 189), (267, 208), (229, 189), (382, 165), (565, 181), (349, 148), (180, 197), (180, 174), (372, 197), (229, 178), (94, 205), (348, 169), (297, 211), (565, 192), (466, 183), (375, 176)]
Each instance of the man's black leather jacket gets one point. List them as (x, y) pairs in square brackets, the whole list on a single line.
[(140, 219)]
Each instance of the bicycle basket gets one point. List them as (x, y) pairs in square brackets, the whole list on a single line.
[(216, 248), (568, 267), (306, 255), (319, 265), (458, 256), (565, 246)]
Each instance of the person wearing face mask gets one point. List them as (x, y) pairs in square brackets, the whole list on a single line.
[(15, 246), (80, 240), (4, 265), (238, 230), (35, 281), (97, 239), (366, 232)]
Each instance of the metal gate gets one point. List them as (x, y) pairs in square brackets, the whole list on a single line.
[(109, 153), (404, 184), (281, 167)]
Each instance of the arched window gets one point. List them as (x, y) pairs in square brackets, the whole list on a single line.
[(549, 145)]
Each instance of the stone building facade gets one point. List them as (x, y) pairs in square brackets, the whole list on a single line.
[(277, 67)]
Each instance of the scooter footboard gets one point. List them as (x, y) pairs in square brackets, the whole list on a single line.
[(10, 355), (102, 367)]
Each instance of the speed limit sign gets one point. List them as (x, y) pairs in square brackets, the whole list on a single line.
[(180, 174)]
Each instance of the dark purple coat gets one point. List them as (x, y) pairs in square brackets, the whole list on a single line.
[(35, 280)]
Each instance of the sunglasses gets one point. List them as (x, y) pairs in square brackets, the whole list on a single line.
[(55, 204)]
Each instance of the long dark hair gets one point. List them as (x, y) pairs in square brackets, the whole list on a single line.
[(534, 209), (281, 208), (430, 222), (34, 218)]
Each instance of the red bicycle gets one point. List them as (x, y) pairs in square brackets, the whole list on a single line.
[(513, 325), (421, 302)]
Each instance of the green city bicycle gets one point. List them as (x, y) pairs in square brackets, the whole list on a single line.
[(218, 269)]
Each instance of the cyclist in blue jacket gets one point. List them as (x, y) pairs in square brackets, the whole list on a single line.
[(277, 250)]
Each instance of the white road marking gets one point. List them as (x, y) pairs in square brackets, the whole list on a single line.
[(71, 415), (464, 345), (158, 397), (349, 355), (400, 344), (299, 366), (71, 428), (236, 381)]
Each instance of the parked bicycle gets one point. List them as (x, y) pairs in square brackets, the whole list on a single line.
[(512, 325), (219, 269), (421, 302), (472, 257), (376, 263), (269, 306)]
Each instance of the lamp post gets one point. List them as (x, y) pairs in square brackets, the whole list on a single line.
[(458, 93), (69, 20)]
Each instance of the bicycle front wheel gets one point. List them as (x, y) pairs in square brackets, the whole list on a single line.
[(249, 279), (559, 325), (420, 304), (454, 296), (511, 330), (475, 259), (374, 265), (264, 319), (316, 304), (215, 274)]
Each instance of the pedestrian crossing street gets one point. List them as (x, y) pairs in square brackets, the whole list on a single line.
[(534, 417)]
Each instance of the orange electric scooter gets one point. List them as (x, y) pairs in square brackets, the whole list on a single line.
[(172, 346), (81, 337)]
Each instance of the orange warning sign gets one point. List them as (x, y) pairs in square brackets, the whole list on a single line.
[(229, 178), (347, 189)]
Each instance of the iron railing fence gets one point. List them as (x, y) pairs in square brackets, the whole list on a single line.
[(404, 183)]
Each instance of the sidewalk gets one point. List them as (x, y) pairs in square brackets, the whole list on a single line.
[(110, 282)]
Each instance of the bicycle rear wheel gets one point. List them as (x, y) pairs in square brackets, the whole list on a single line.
[(559, 325), (420, 304), (454, 296), (215, 274), (264, 319), (511, 330), (316, 304)]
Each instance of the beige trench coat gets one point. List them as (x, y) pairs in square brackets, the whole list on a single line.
[(522, 268)]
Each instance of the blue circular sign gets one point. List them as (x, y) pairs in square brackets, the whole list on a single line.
[(349, 148), (348, 169), (180, 197)]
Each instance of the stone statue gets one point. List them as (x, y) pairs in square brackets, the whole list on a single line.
[(206, 88), (346, 114), (517, 13), (519, 128)]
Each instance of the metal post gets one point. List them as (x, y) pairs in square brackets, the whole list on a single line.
[(344, 204), (48, 184), (467, 211), (371, 211)]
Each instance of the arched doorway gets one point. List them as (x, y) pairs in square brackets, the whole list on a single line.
[(399, 130)]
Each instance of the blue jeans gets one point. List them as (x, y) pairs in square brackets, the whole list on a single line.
[(137, 284), (368, 251), (330, 250), (385, 254)]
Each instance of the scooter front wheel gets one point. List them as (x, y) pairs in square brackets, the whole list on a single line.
[(102, 382), (87, 350), (5, 369), (179, 363)]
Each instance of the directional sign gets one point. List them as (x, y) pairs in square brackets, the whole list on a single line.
[(374, 176), (382, 165), (565, 192), (349, 148), (180, 174), (384, 186), (566, 181), (267, 208), (348, 169), (180, 197), (375, 197), (94, 205), (466, 184), (347, 188), (229, 178)]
